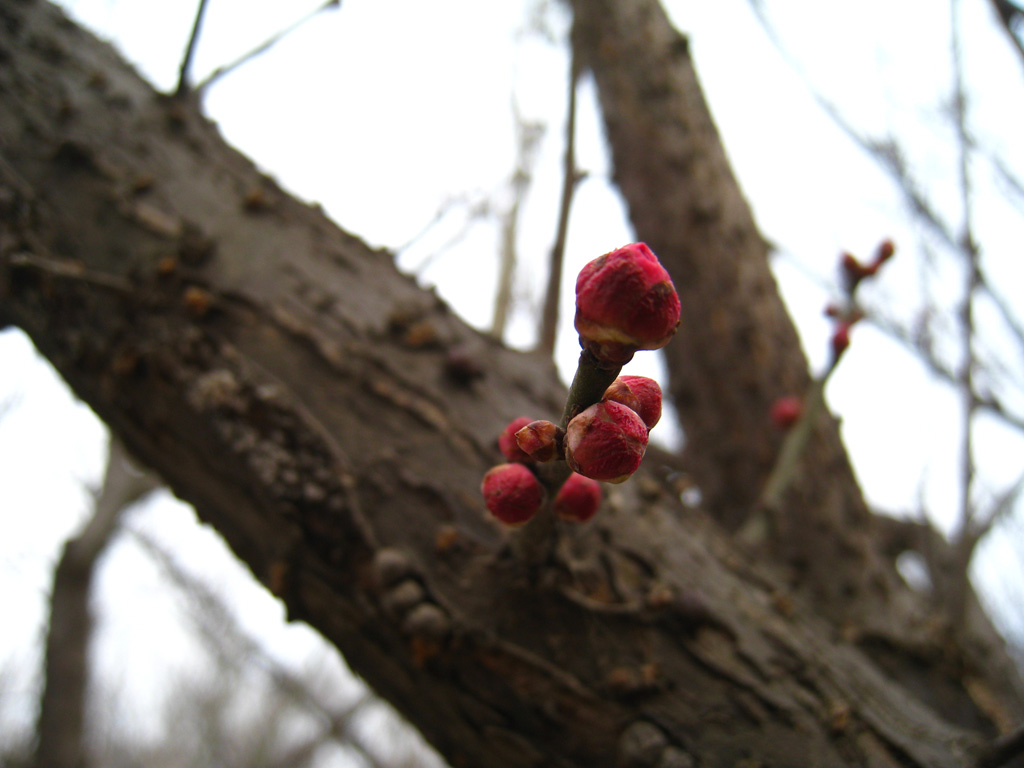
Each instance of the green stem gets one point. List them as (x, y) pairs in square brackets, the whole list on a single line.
[(535, 541), (588, 385)]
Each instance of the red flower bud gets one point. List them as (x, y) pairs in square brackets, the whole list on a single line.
[(606, 442), (540, 440), (578, 498), (507, 440), (512, 493), (854, 271), (885, 251), (638, 393), (840, 339), (625, 301), (786, 411)]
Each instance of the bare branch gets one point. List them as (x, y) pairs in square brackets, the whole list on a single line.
[(1008, 15), (1000, 510), (985, 402), (1005, 312), (528, 135), (266, 45), (570, 178), (62, 708), (226, 638), (186, 61), (885, 151), (969, 250)]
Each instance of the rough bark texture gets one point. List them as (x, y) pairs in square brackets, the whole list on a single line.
[(737, 352), (303, 395)]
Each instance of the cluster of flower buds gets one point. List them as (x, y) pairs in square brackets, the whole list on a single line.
[(625, 302), (853, 273), (512, 491), (607, 441), (788, 410)]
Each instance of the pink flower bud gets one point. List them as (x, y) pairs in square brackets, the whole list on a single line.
[(625, 301), (606, 442), (786, 411), (541, 440), (507, 440), (638, 393), (512, 493), (578, 498)]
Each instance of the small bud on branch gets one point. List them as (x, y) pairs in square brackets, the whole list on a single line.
[(625, 301), (512, 492), (541, 441), (578, 499), (606, 442), (640, 394)]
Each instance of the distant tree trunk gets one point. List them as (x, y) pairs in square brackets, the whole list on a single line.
[(304, 396), (61, 725)]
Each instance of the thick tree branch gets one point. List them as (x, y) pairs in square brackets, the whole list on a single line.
[(291, 384)]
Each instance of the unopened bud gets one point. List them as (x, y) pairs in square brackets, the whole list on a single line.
[(512, 492), (625, 301), (541, 440), (606, 442), (786, 411), (638, 393), (507, 440), (885, 251), (578, 499), (840, 339)]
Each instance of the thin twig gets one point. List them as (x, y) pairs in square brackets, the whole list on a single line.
[(1008, 13), (988, 403), (216, 622), (969, 250), (529, 135), (266, 45), (570, 178), (475, 211), (1000, 509), (186, 61), (885, 152), (1003, 306)]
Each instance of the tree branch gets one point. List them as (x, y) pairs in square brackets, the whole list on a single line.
[(1009, 14), (60, 728), (186, 61), (570, 178), (267, 372), (266, 45)]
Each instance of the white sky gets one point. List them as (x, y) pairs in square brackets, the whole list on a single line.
[(382, 111)]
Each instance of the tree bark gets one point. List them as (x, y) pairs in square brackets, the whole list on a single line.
[(313, 404), (737, 352)]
